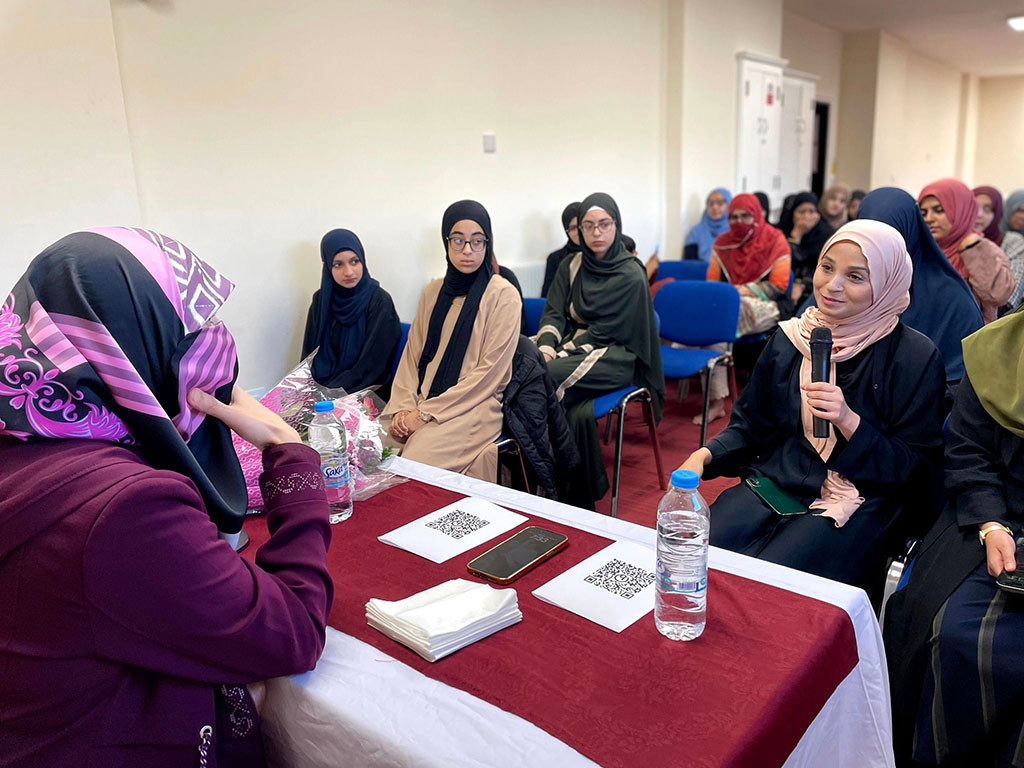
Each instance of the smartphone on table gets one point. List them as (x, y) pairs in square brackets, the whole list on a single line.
[(513, 557)]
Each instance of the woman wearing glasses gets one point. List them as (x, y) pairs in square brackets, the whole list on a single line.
[(755, 257), (445, 407), (598, 334)]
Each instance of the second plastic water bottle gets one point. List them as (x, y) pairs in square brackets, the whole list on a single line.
[(684, 525), (327, 437)]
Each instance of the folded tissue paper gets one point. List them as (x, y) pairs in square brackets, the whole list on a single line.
[(441, 620)]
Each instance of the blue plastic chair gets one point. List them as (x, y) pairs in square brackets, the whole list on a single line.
[(697, 315), (400, 348), (534, 309), (682, 270), (614, 404)]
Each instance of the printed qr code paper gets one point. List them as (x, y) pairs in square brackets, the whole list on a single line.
[(454, 529), (613, 587)]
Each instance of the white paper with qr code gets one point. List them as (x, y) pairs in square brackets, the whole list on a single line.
[(613, 587), (454, 529)]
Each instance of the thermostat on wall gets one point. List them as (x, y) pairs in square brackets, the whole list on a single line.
[(490, 143)]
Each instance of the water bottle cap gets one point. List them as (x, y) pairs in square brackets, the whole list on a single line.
[(324, 406), (686, 479)]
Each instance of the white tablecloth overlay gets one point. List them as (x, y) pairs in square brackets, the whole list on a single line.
[(364, 709)]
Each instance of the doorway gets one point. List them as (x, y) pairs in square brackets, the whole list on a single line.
[(818, 170)]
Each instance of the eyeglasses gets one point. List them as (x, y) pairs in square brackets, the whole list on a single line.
[(573, 228), (744, 217), (603, 226), (476, 244)]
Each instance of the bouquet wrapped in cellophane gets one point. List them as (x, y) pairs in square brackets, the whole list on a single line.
[(293, 398)]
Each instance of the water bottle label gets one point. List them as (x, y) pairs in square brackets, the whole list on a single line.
[(335, 472), (681, 584)]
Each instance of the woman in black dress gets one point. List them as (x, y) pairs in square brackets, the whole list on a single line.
[(954, 640), (884, 408), (351, 321)]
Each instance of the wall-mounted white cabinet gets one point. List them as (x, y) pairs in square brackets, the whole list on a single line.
[(796, 146), (758, 125)]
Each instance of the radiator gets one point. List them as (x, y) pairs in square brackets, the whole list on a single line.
[(530, 276)]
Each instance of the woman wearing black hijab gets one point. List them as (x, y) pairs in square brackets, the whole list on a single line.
[(598, 334), (445, 407), (351, 319), (807, 232), (570, 223)]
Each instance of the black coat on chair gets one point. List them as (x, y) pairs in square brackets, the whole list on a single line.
[(536, 420)]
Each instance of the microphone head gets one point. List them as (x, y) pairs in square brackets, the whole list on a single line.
[(821, 336)]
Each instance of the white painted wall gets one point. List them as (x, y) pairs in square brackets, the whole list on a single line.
[(257, 126), (713, 33), (917, 118), (817, 49), (65, 162), (999, 159)]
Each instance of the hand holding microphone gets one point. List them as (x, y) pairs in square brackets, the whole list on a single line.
[(826, 399), (821, 369)]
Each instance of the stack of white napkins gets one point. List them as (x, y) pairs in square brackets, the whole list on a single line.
[(441, 620)]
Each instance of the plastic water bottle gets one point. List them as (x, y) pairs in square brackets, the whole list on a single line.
[(684, 524), (327, 437)]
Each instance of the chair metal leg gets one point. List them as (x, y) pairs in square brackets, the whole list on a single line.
[(619, 439), (608, 427), (734, 388), (522, 469), (649, 413), (707, 404)]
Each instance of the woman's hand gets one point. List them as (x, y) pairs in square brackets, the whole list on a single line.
[(405, 423), (547, 358), (798, 291), (652, 266), (744, 291), (697, 461), (827, 402), (413, 421), (398, 429), (969, 240), (1000, 549), (245, 416)]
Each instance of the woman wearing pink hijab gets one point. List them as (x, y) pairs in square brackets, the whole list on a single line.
[(833, 506), (950, 210)]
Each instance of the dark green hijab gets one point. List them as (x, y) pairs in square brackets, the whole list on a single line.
[(611, 296)]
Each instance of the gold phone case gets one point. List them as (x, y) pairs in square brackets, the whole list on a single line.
[(536, 561)]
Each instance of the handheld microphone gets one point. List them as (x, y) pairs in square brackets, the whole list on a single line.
[(821, 366)]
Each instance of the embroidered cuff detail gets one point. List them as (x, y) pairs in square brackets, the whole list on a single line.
[(294, 482)]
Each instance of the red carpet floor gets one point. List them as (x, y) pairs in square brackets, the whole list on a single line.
[(639, 493)]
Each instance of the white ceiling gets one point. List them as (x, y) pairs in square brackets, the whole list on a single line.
[(979, 41)]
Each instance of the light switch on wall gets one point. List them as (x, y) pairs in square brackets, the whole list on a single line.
[(490, 143)]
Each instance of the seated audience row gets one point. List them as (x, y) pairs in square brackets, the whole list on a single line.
[(118, 390)]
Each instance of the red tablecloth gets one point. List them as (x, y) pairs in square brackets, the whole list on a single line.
[(740, 695)]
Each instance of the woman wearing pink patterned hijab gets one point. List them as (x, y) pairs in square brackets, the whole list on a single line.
[(883, 402), (130, 627), (950, 211)]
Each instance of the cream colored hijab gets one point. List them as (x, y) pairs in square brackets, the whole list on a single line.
[(889, 271)]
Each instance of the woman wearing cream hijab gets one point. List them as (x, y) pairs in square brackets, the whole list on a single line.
[(884, 408)]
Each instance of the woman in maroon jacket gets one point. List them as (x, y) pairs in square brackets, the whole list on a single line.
[(130, 627)]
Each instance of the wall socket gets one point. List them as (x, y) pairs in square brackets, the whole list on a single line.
[(490, 143)]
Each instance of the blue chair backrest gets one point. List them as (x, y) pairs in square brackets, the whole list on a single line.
[(682, 270), (534, 309), (698, 314), (400, 348)]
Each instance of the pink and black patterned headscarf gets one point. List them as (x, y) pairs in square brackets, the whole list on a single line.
[(104, 336)]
